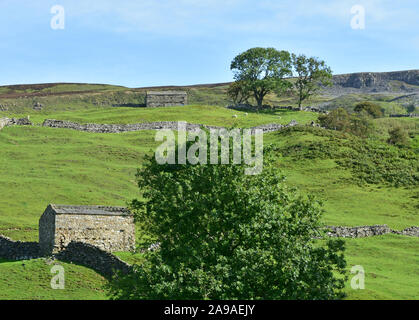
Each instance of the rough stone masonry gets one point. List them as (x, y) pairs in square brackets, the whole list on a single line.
[(166, 98), (108, 228)]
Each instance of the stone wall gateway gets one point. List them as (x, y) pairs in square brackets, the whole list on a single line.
[(166, 98)]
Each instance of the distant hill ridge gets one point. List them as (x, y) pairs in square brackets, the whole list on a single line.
[(403, 81)]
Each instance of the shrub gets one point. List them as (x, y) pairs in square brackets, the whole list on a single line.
[(372, 109), (369, 161), (398, 137), (361, 125), (339, 119)]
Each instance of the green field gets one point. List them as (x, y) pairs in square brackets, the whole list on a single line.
[(41, 165), (31, 280), (209, 115), (390, 265)]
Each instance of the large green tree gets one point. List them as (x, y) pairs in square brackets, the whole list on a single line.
[(260, 71), (311, 73), (227, 235)]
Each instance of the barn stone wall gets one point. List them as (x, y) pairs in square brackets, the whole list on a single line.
[(166, 99), (47, 231), (109, 233)]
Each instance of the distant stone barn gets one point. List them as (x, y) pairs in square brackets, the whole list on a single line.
[(108, 228), (166, 98)]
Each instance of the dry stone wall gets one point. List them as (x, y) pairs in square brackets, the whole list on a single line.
[(118, 128), (4, 122), (18, 250), (171, 125), (106, 263), (369, 231), (411, 231), (13, 121)]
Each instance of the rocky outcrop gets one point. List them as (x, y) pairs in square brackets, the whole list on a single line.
[(380, 81)]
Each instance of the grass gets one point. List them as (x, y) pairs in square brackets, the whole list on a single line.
[(346, 202), (390, 264), (350, 100), (31, 280), (210, 115), (41, 165)]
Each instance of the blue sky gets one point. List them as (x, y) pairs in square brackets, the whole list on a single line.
[(164, 42)]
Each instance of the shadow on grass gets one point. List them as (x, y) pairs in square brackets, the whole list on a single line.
[(129, 105), (267, 111), (5, 261)]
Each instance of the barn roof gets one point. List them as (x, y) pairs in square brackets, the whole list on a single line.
[(89, 210)]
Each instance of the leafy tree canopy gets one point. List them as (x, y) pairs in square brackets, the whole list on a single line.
[(227, 235), (261, 71), (311, 74)]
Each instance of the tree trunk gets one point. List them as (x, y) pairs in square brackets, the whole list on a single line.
[(260, 103), (300, 99), (259, 100)]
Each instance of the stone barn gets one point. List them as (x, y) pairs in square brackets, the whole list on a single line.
[(108, 228), (166, 98)]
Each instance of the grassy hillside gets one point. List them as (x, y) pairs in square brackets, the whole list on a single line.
[(389, 262), (312, 160), (44, 165), (21, 99), (31, 280), (41, 165), (210, 115)]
